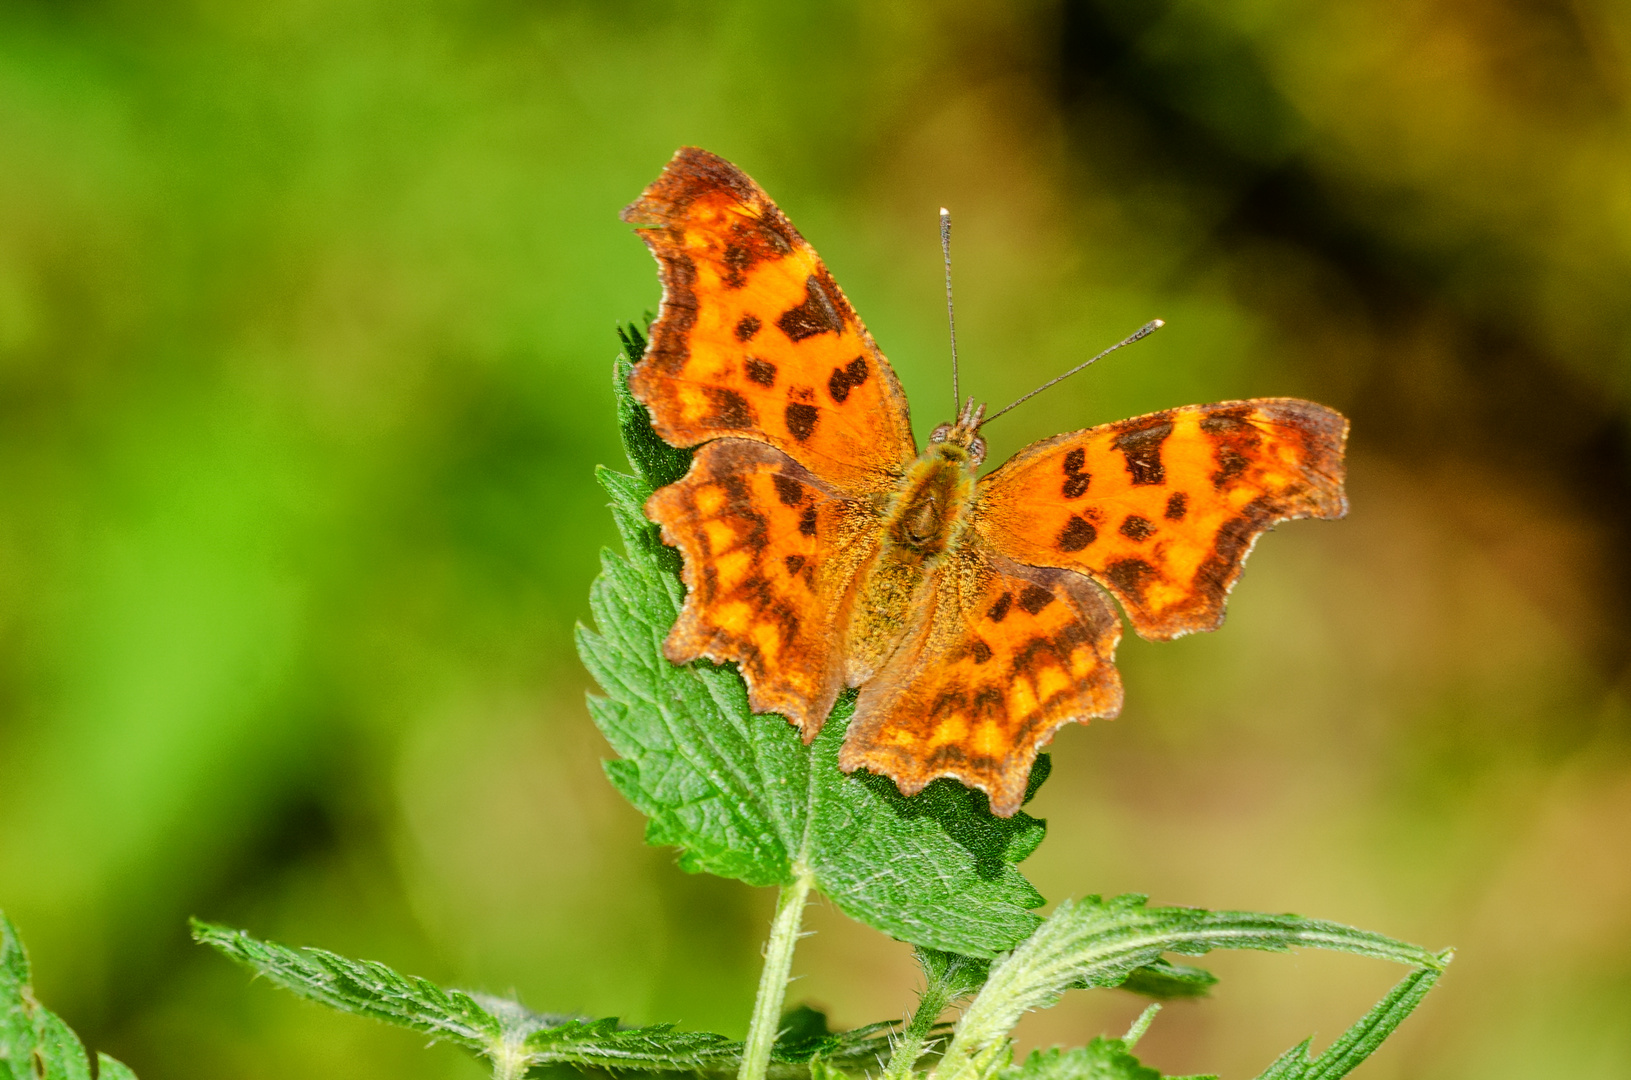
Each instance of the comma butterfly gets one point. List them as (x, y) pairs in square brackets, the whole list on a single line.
[(822, 550)]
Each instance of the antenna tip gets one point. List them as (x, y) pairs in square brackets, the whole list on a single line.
[(1158, 323), (944, 212)]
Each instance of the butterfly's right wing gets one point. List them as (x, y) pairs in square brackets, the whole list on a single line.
[(771, 556), (1163, 509), (754, 339)]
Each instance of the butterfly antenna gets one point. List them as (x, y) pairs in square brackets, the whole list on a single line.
[(1142, 332), (951, 317)]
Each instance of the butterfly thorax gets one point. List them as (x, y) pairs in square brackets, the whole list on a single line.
[(930, 501), (924, 519)]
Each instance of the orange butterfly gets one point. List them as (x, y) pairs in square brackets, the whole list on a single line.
[(822, 550)]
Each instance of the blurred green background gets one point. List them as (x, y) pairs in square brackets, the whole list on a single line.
[(306, 322)]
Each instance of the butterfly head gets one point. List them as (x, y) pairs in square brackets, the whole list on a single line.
[(964, 433)]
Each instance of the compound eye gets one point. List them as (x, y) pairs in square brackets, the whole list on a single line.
[(940, 433), (976, 451)]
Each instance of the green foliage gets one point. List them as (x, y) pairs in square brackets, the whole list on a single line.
[(1083, 943), (34, 1042), (1165, 980), (1101, 1059), (515, 1039), (499, 1030), (1112, 1059), (742, 797), (1361, 1040), (1098, 943)]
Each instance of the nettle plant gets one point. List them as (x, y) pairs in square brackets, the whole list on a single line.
[(739, 795)]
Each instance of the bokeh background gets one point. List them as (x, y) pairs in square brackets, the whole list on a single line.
[(306, 324)]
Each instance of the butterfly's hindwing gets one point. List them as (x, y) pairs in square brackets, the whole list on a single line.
[(770, 557), (1001, 657)]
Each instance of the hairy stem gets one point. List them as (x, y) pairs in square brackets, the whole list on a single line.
[(510, 1060), (916, 1036), (767, 1007)]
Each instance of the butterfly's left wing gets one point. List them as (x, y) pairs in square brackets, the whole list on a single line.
[(1001, 656), (755, 340), (1163, 509)]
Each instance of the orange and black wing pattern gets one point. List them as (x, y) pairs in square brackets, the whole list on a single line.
[(1003, 655), (770, 559), (1163, 509), (755, 340)]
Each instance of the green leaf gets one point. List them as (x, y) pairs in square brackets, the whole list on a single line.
[(1101, 1059), (949, 977), (1164, 980), (1361, 1040), (1097, 943), (742, 797), (35, 1044), (655, 461), (364, 987), (511, 1037), (805, 1039), (515, 1039)]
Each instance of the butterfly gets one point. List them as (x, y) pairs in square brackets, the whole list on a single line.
[(822, 550)]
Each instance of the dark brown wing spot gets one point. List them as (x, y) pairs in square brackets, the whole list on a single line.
[(988, 702), (1142, 448), (1226, 422), (807, 521), (1076, 480), (748, 526), (730, 409), (1230, 465), (1177, 506), (1134, 527), (801, 419), (838, 385), (760, 371), (981, 651), (794, 564), (1035, 598), (847, 378), (1076, 535), (1130, 576), (738, 260), (746, 327), (1232, 542), (815, 316), (999, 610), (773, 235), (790, 492)]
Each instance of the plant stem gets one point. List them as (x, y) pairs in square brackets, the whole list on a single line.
[(767, 1007), (916, 1036), (511, 1061)]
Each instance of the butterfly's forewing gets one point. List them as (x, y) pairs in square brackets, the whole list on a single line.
[(1163, 509), (754, 338), (1002, 656)]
